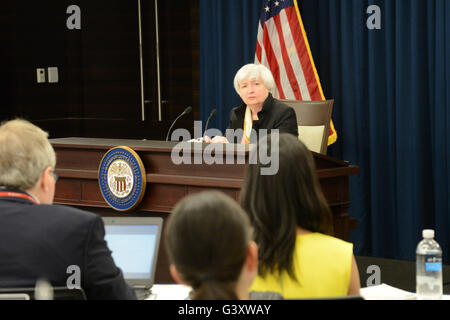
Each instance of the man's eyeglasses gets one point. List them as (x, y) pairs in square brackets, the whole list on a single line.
[(54, 175)]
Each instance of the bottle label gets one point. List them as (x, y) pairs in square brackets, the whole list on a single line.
[(433, 263)]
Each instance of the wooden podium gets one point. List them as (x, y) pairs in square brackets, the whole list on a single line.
[(78, 160)]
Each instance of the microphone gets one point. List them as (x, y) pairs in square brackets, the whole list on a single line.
[(212, 114), (186, 111)]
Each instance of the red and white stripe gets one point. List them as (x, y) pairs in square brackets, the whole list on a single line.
[(282, 48)]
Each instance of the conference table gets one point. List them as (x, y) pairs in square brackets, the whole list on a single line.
[(396, 273), (376, 292)]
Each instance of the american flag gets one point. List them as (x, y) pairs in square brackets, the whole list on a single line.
[(282, 46)]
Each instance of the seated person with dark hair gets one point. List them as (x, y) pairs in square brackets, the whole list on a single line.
[(293, 228), (209, 245), (39, 240)]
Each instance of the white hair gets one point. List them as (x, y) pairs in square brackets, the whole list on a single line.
[(254, 71), (25, 153)]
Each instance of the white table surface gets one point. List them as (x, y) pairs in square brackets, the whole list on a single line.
[(379, 292), (169, 292)]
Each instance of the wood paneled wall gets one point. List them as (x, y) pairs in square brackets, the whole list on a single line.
[(98, 93)]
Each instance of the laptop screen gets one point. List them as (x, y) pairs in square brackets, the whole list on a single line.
[(134, 246)]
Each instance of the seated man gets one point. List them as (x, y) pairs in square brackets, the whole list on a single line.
[(39, 240)]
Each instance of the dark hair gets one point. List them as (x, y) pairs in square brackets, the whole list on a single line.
[(278, 203), (207, 237)]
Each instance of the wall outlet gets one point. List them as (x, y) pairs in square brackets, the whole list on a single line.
[(40, 73), (52, 74)]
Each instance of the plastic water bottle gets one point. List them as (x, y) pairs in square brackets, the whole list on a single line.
[(428, 268)]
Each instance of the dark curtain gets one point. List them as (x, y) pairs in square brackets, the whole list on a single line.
[(392, 100), (228, 31)]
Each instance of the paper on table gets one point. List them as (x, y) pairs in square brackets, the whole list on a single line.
[(386, 292), (169, 292)]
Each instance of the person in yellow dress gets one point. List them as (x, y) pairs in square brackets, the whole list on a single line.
[(293, 228)]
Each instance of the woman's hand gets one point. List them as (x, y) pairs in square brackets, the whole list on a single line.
[(216, 139), (219, 139)]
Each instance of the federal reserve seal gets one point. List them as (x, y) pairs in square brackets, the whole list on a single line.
[(122, 179)]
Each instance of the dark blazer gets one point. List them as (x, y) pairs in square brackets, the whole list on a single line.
[(42, 241), (273, 115)]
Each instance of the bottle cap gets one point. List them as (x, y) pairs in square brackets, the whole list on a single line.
[(428, 233)]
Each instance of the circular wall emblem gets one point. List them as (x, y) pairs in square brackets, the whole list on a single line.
[(122, 179)]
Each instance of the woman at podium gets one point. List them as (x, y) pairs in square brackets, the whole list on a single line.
[(260, 109)]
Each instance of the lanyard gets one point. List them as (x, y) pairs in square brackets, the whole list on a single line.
[(17, 195)]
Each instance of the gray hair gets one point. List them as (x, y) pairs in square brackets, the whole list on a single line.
[(254, 71), (25, 153)]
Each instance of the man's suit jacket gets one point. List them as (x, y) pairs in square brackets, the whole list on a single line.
[(42, 241), (273, 115)]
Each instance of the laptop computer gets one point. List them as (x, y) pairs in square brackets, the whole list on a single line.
[(134, 242)]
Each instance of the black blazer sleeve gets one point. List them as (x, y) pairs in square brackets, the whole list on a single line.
[(236, 119), (104, 280), (236, 123), (287, 122)]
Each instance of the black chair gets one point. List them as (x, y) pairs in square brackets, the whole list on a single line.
[(59, 293)]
